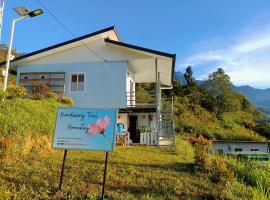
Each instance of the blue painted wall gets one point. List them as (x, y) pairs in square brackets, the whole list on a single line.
[(105, 85)]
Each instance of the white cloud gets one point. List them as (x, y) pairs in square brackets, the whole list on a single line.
[(246, 58)]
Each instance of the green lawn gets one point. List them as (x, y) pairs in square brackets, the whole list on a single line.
[(133, 173)]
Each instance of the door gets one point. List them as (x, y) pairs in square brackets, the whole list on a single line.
[(134, 136)]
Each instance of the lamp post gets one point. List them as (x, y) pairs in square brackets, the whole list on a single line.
[(24, 13)]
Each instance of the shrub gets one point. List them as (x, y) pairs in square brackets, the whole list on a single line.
[(220, 171), (3, 95), (39, 91), (52, 95), (67, 100), (202, 157), (15, 91)]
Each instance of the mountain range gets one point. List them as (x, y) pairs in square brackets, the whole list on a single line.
[(259, 97)]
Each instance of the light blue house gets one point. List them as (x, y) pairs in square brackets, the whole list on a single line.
[(98, 70)]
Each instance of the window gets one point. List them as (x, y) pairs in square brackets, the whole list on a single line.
[(254, 149), (77, 82), (237, 150)]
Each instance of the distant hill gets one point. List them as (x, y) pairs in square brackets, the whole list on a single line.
[(259, 97)]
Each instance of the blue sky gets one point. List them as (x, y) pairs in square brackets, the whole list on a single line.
[(232, 34)]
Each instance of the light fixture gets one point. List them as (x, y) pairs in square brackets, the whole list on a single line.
[(23, 11)]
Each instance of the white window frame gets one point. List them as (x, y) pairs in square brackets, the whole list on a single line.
[(84, 86)]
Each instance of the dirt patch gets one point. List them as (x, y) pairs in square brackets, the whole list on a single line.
[(40, 144)]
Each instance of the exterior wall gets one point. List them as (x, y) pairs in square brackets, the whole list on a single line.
[(105, 82), (229, 148), (100, 51)]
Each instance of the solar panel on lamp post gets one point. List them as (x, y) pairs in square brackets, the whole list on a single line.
[(24, 13)]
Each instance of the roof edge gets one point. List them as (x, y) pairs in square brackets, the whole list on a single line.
[(65, 43), (140, 48)]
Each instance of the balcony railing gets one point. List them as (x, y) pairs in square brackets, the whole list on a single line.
[(138, 100)]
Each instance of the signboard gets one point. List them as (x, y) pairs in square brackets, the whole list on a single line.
[(85, 129)]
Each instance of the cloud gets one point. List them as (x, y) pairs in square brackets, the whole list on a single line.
[(246, 58)]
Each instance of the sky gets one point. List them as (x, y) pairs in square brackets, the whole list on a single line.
[(207, 34)]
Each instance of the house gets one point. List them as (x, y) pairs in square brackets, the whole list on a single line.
[(240, 148), (98, 70)]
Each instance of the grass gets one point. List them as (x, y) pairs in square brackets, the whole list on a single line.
[(133, 173), (32, 170)]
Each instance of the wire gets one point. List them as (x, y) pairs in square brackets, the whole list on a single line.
[(68, 30)]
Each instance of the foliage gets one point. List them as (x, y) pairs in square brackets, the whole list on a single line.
[(220, 171), (52, 95), (3, 95), (142, 96), (67, 100), (188, 76), (263, 129), (15, 91), (214, 110), (202, 157), (219, 95), (252, 173), (39, 91)]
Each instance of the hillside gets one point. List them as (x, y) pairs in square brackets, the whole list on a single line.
[(214, 109), (259, 97), (31, 170)]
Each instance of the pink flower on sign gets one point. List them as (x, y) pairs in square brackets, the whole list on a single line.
[(99, 127)]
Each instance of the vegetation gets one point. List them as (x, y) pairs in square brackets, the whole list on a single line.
[(29, 169), (213, 109)]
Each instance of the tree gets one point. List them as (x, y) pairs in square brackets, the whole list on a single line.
[(219, 96), (188, 76)]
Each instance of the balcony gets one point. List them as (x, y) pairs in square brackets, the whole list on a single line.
[(138, 100)]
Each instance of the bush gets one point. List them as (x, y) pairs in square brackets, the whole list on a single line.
[(202, 157), (3, 95), (15, 91), (39, 91), (220, 171), (52, 95), (67, 100)]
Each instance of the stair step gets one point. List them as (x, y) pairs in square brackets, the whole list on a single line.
[(166, 139)]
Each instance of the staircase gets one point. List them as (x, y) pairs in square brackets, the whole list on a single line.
[(166, 133)]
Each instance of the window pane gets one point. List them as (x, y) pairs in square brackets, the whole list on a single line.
[(80, 86), (74, 86), (74, 78), (81, 77)]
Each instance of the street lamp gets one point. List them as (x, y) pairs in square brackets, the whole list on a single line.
[(24, 13)]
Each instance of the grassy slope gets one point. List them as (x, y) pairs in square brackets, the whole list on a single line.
[(133, 172)]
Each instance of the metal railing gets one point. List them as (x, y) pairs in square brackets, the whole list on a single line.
[(138, 100)]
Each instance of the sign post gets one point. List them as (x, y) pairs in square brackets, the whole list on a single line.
[(104, 176), (62, 171), (85, 129)]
